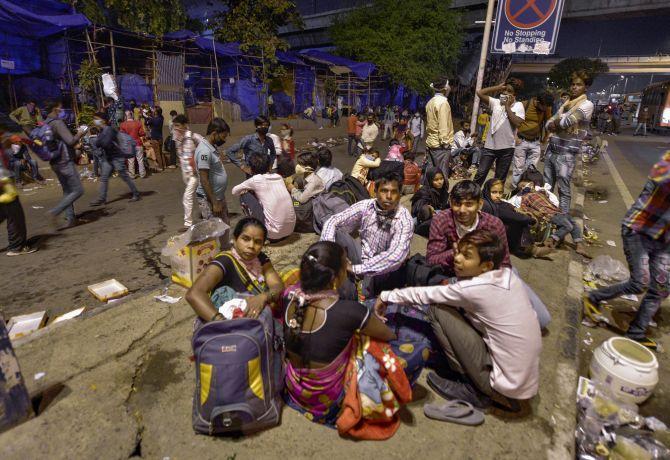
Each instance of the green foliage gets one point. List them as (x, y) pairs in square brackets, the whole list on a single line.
[(559, 75), (85, 116), (414, 41), (89, 74), (254, 24), (146, 16)]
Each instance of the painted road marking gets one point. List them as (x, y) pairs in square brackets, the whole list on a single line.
[(618, 181)]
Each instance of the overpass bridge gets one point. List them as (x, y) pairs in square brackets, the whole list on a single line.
[(617, 65)]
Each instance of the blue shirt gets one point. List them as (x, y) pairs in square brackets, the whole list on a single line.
[(206, 157), (252, 144)]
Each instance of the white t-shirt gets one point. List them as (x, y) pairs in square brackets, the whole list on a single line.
[(501, 135)]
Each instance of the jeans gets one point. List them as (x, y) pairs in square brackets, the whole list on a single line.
[(352, 143), (503, 159), (96, 165), (387, 128), (525, 154), (16, 224), (107, 166), (139, 156), (565, 224), (642, 125), (558, 169), (68, 176), (188, 200), (649, 264), (415, 143)]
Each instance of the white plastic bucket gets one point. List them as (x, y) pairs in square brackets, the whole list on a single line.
[(628, 369)]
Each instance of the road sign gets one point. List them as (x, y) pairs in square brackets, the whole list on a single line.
[(527, 26)]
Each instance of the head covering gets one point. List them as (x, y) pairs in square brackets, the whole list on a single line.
[(439, 197), (490, 206)]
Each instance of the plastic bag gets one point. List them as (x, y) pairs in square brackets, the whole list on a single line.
[(203, 230), (109, 86), (608, 269)]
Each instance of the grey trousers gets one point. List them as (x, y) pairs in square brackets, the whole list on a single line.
[(463, 346)]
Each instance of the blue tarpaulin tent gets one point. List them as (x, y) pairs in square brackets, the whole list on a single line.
[(360, 69)]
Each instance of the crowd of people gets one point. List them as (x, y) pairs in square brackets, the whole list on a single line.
[(486, 321)]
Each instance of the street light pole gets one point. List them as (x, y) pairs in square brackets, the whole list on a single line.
[(482, 63)]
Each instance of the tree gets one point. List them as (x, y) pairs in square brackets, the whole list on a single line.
[(255, 25), (413, 41), (559, 75), (155, 17)]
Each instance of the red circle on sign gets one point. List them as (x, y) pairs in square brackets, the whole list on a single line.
[(522, 6)]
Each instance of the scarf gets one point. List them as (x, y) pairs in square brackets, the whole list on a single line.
[(384, 218), (462, 230), (253, 267)]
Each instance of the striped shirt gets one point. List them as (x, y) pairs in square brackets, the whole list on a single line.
[(186, 145), (650, 214), (384, 247)]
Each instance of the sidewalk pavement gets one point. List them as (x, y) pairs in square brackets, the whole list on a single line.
[(126, 382)]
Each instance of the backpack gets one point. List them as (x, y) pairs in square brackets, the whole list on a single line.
[(45, 144), (349, 189), (304, 217), (412, 173), (125, 145), (325, 206), (239, 375)]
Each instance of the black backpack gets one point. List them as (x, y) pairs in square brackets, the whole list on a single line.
[(349, 189), (420, 273)]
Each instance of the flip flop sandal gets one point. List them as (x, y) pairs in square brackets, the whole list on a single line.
[(456, 411), (592, 312)]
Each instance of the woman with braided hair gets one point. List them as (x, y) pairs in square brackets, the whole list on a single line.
[(318, 330)]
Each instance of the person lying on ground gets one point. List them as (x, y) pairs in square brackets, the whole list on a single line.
[(645, 233), (259, 142), (537, 204), (365, 162), (463, 216), (327, 172), (385, 230), (265, 197), (310, 183), (494, 345), (516, 223), (244, 269), (429, 199), (318, 328)]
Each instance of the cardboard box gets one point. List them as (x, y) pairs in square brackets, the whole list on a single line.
[(69, 315), (107, 290), (192, 260), (22, 325)]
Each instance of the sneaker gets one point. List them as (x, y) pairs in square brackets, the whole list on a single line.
[(134, 199), (647, 342), (24, 250), (451, 389), (97, 203)]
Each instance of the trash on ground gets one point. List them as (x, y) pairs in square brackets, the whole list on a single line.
[(586, 217), (22, 325), (602, 201), (655, 424), (626, 370), (167, 298), (38, 207), (107, 290), (606, 268), (191, 251), (69, 315), (40, 375), (631, 297), (611, 243)]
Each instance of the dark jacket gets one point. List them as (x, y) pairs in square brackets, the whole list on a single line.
[(106, 141), (429, 196)]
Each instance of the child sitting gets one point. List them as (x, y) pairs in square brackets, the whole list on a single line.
[(287, 142), (394, 151), (495, 343), (536, 202), (368, 159), (306, 184), (411, 174)]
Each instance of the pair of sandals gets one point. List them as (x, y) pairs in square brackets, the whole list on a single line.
[(454, 411)]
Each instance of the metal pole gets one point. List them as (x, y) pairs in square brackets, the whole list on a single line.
[(482, 62), (111, 44), (216, 64)]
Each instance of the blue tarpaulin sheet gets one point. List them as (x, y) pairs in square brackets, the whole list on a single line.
[(37, 89), (222, 49), (360, 69), (38, 18), (283, 104), (304, 88), (134, 87)]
